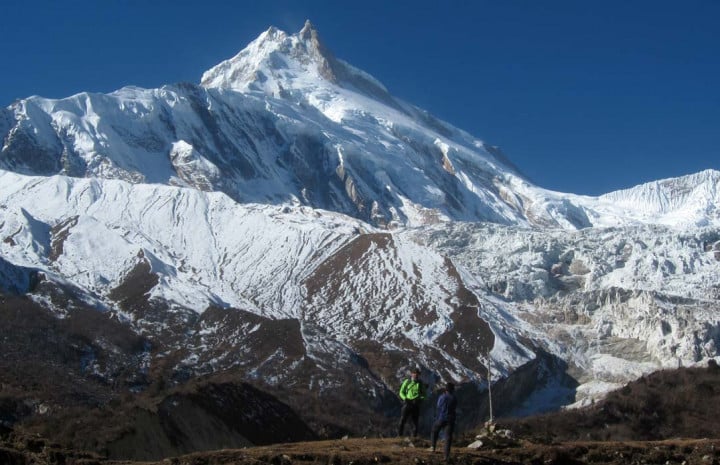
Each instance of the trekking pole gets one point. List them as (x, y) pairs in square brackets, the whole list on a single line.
[(489, 380)]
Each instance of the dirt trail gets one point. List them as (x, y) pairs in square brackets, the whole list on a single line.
[(416, 452)]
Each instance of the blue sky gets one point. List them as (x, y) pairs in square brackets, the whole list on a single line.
[(583, 96)]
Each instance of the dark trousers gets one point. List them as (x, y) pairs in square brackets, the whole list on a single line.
[(449, 428), (411, 410)]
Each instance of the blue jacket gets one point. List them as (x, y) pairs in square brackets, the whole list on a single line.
[(446, 405)]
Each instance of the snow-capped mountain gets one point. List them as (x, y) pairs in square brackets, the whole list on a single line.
[(290, 221), (284, 122), (689, 200)]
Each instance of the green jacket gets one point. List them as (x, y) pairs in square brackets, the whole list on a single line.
[(412, 390)]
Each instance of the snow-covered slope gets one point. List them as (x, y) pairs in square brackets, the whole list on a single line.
[(689, 200), (207, 248), (277, 262), (613, 303)]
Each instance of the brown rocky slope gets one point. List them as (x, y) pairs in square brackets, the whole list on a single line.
[(665, 417)]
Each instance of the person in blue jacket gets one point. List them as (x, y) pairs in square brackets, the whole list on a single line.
[(445, 418)]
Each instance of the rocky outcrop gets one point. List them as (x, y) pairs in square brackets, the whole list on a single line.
[(214, 416)]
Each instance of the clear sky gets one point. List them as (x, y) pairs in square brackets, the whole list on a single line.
[(583, 96)]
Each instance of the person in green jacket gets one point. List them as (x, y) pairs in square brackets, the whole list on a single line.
[(412, 392)]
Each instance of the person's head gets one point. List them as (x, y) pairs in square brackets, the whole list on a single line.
[(415, 373), (450, 387)]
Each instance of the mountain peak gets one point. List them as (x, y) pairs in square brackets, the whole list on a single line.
[(308, 31), (275, 61), (689, 199), (292, 67)]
